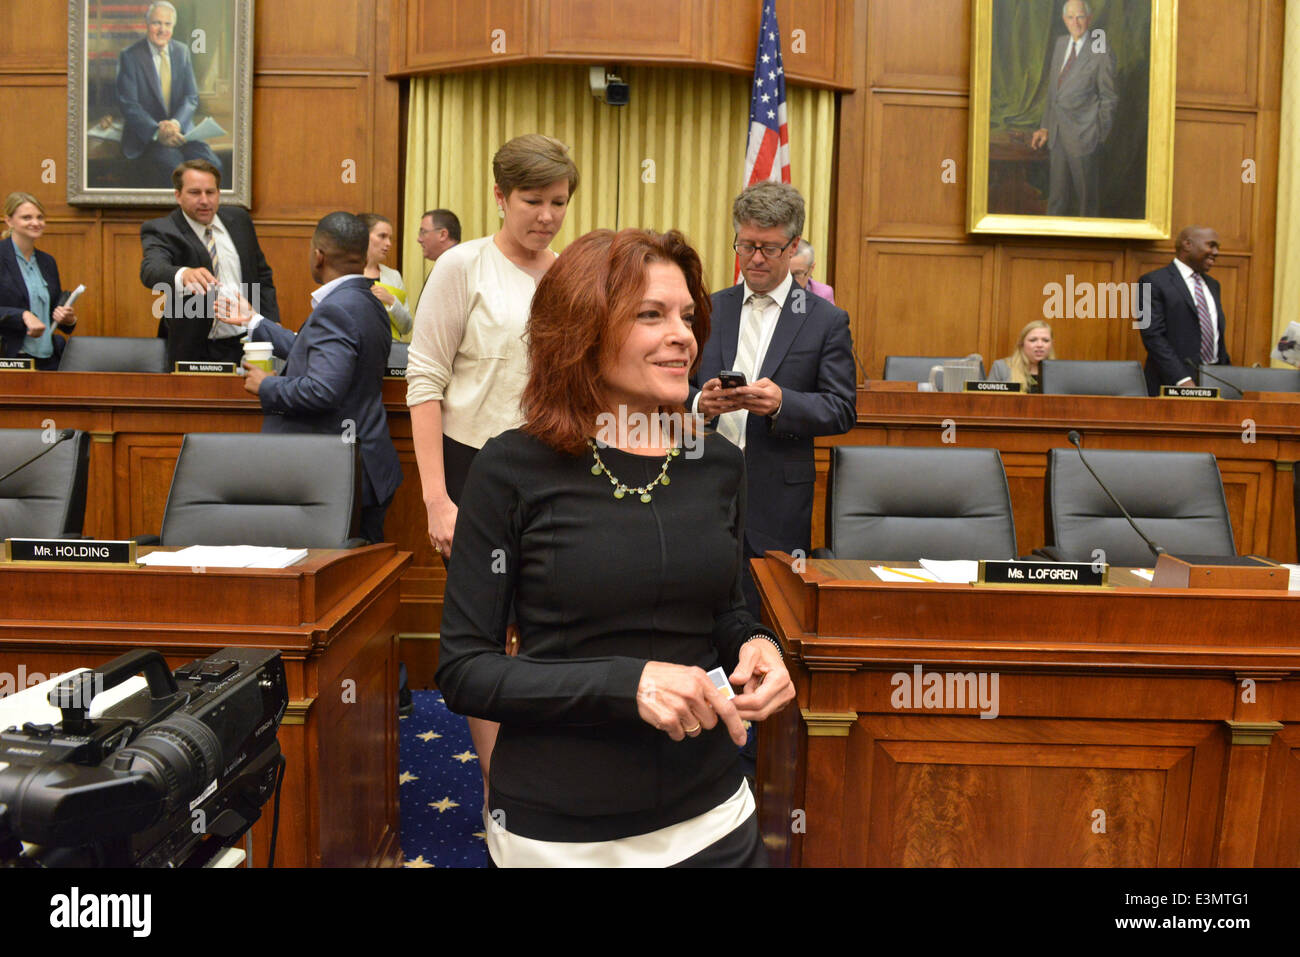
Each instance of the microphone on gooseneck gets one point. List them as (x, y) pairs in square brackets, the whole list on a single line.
[(1077, 441), (63, 437), (1201, 370)]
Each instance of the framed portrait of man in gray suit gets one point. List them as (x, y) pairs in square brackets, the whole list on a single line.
[(150, 85), (1072, 117)]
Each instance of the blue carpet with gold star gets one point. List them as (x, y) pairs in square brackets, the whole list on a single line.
[(441, 788)]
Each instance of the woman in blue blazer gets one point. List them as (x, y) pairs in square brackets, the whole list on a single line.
[(29, 288)]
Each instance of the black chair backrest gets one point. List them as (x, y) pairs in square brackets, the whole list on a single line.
[(1083, 377), (903, 504), (114, 354), (1247, 379), (46, 499), (294, 491), (916, 368), (397, 355), (1175, 497)]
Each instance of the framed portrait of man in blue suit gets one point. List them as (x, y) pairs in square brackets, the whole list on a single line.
[(150, 85), (1071, 117)]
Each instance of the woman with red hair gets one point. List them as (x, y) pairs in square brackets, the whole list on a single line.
[(619, 551)]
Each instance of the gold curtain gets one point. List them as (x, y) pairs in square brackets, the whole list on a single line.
[(673, 157), (1286, 271)]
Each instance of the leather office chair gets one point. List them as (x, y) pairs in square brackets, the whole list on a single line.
[(903, 504), (1246, 379), (114, 354), (294, 491), (916, 368), (46, 499), (397, 355), (1176, 498), (1083, 377)]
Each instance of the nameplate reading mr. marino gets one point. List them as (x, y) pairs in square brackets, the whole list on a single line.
[(205, 368), (1042, 573), (977, 385), (1189, 392), (69, 551)]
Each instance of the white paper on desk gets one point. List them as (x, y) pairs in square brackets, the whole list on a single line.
[(1295, 576), (960, 572), (888, 575), (226, 556), (32, 704), (209, 129), (1147, 573)]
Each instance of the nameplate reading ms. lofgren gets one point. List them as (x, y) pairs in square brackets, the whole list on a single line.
[(69, 551), (980, 385), (1042, 573)]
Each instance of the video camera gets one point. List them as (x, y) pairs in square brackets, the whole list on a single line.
[(165, 778)]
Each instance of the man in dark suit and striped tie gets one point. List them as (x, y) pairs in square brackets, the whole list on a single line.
[(193, 255), (1181, 312)]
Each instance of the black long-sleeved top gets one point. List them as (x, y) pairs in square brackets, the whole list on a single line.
[(600, 586)]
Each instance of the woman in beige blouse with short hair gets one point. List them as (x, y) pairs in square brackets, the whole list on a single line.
[(468, 361)]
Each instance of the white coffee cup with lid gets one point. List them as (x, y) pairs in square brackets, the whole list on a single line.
[(258, 355)]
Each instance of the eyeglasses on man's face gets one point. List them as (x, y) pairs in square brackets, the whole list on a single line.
[(770, 250)]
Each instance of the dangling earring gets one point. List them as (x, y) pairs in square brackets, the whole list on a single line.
[(501, 212)]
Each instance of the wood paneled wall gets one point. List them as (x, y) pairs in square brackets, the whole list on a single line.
[(916, 283), (468, 34), (320, 100)]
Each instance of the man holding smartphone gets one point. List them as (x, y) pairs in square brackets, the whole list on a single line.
[(787, 361)]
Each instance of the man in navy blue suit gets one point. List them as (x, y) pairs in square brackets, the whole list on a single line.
[(796, 352), (1185, 326), (335, 364), (158, 97)]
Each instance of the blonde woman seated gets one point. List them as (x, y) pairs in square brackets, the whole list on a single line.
[(1033, 346)]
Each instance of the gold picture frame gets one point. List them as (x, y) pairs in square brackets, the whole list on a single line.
[(1007, 171)]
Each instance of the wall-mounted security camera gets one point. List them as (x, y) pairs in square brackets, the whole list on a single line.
[(609, 86)]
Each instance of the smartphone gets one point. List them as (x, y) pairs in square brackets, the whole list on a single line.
[(731, 379)]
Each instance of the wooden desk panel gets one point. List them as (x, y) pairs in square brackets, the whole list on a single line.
[(137, 422), (1256, 441), (1134, 726), (332, 616)]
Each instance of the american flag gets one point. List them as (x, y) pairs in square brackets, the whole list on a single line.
[(767, 154)]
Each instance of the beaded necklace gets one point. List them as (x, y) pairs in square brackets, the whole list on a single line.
[(620, 488)]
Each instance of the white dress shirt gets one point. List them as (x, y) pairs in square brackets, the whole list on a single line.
[(232, 275), (768, 317)]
